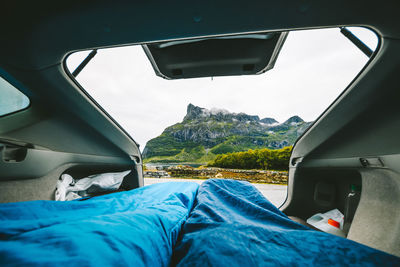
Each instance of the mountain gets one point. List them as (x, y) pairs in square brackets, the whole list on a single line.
[(204, 133), (269, 121)]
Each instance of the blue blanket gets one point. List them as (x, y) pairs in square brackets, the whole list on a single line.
[(133, 228), (232, 224)]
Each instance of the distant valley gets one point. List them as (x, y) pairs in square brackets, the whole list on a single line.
[(204, 133)]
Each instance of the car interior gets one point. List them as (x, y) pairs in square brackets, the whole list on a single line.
[(63, 129)]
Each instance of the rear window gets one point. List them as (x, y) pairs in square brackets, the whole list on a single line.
[(312, 69), (237, 127), (11, 99)]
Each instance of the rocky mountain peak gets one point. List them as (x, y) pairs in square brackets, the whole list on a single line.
[(193, 112), (294, 119), (204, 133), (198, 113), (268, 121)]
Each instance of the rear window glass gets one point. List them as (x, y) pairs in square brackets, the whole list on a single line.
[(11, 99)]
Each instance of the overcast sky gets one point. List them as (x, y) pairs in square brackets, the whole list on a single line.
[(313, 68)]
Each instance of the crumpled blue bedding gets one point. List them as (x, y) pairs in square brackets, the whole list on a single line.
[(232, 224), (133, 228)]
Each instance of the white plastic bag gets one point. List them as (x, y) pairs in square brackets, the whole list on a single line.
[(323, 221), (69, 189)]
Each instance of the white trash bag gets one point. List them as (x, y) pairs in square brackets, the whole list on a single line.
[(69, 189), (330, 222)]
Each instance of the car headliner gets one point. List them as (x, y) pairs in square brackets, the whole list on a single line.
[(39, 34)]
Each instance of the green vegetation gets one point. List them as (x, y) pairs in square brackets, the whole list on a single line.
[(167, 145), (223, 149), (237, 143), (196, 154), (266, 159)]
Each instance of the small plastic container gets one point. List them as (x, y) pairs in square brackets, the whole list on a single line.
[(329, 222)]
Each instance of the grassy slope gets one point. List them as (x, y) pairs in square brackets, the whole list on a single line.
[(194, 155)]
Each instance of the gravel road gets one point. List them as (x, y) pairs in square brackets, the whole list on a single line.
[(274, 193)]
